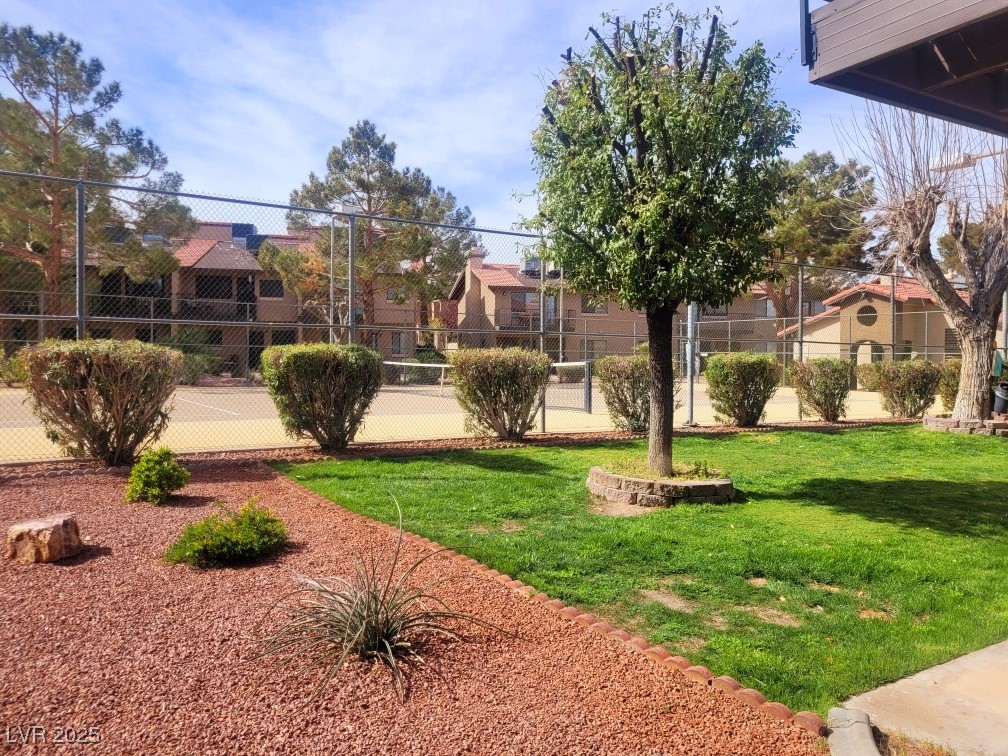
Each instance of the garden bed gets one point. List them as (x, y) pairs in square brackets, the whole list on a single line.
[(997, 425), (661, 492), (159, 658)]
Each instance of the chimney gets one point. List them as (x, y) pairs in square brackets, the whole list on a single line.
[(475, 257)]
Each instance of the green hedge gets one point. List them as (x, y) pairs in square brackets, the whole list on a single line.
[(908, 387), (740, 385), (104, 399), (626, 385), (948, 383), (500, 390), (823, 385), (322, 391)]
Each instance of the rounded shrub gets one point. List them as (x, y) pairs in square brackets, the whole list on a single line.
[(500, 390), (231, 538), (948, 383), (322, 391), (868, 376), (823, 385), (155, 476), (625, 384), (12, 370), (570, 373), (101, 398), (908, 387), (740, 385)]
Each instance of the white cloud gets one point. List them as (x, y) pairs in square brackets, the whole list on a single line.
[(247, 98)]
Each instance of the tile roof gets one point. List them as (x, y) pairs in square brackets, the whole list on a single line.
[(828, 312), (502, 276), (193, 251), (907, 290), (225, 256)]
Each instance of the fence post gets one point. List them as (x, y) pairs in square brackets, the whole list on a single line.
[(588, 387), (351, 283), (801, 325), (332, 278), (892, 315), (691, 327), (81, 324), (1004, 325)]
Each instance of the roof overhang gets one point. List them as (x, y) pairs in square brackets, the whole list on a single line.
[(946, 58)]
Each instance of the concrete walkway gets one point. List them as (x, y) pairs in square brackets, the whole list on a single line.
[(962, 704)]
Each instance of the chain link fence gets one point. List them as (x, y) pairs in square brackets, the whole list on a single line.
[(223, 279)]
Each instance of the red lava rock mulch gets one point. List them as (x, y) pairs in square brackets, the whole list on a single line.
[(159, 657)]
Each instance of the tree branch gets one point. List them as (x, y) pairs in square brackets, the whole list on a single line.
[(707, 49)]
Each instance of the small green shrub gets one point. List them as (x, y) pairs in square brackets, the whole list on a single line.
[(823, 385), (322, 391), (12, 370), (948, 383), (371, 616), (868, 376), (500, 390), (220, 540), (155, 476), (570, 373), (740, 385), (908, 387), (104, 399), (625, 384)]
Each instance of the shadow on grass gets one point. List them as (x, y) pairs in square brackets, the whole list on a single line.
[(974, 508)]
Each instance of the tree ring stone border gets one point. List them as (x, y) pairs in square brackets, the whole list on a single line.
[(662, 492)]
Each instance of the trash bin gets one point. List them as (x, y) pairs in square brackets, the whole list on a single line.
[(1000, 403)]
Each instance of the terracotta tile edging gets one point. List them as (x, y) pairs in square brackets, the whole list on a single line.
[(806, 720)]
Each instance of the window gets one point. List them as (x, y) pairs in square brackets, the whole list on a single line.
[(590, 306), (867, 315), (877, 353), (395, 294), (397, 343), (951, 343), (154, 288), (524, 301), (765, 309), (19, 333), (595, 349), (213, 287), (68, 334), (284, 336), (270, 288), (100, 333)]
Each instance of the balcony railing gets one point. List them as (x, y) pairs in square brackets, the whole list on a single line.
[(524, 320), (118, 306)]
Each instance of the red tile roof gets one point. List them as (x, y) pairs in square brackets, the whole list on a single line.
[(831, 311), (193, 250), (501, 276), (907, 290)]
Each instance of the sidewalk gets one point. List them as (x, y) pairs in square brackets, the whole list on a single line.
[(962, 704)]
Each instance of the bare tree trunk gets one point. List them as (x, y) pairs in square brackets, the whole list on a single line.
[(662, 394), (973, 400)]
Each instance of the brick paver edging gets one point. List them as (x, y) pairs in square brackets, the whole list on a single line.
[(996, 426), (642, 492), (807, 720)]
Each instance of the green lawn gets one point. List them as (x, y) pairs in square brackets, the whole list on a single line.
[(885, 548)]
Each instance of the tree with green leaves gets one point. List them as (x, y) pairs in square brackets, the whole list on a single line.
[(818, 221), (361, 177), (659, 164), (57, 123), (436, 252)]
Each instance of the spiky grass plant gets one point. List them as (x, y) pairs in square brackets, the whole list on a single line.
[(371, 616)]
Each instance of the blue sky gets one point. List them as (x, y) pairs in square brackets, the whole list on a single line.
[(247, 97)]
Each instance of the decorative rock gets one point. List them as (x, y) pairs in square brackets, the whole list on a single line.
[(44, 540)]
